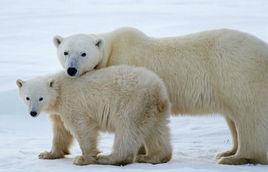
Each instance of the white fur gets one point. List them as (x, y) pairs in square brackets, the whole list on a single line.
[(220, 71), (131, 102)]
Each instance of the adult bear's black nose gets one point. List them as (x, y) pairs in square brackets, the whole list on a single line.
[(71, 71), (33, 113)]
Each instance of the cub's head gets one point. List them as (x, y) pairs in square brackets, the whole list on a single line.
[(38, 94), (79, 53)]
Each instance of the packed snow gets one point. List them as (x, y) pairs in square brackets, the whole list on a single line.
[(26, 50)]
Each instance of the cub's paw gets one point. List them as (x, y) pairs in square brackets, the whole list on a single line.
[(104, 159), (84, 160), (141, 158), (110, 160), (50, 155), (152, 159)]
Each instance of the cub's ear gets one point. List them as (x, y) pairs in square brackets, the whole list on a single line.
[(57, 40), (99, 42), (51, 83), (19, 83)]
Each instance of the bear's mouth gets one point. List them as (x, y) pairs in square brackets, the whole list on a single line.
[(95, 68)]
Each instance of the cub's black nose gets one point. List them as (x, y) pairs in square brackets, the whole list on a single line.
[(33, 113), (71, 71)]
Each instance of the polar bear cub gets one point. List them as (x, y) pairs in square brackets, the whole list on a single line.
[(132, 102)]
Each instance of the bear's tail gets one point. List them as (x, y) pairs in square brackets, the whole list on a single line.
[(162, 105)]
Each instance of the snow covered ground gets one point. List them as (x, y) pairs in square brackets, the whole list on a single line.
[(26, 50)]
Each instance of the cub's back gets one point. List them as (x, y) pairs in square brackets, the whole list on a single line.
[(114, 80)]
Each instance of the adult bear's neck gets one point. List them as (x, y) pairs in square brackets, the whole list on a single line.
[(107, 50), (55, 92)]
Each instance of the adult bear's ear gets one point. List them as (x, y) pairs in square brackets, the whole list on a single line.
[(57, 40), (19, 83), (99, 42)]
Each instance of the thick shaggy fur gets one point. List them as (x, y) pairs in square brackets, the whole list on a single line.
[(220, 71), (130, 102)]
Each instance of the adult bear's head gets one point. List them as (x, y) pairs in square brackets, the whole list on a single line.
[(79, 53)]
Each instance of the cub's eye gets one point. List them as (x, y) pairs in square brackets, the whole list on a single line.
[(27, 98), (40, 99), (83, 54), (65, 53)]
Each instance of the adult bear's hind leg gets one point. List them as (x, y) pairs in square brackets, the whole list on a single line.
[(252, 143)]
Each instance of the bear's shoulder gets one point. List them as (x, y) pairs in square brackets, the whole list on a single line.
[(127, 32)]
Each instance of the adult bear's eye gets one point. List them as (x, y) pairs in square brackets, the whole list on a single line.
[(40, 99), (65, 53), (83, 54), (27, 98)]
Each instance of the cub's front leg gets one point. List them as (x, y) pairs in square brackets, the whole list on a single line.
[(86, 133), (62, 140)]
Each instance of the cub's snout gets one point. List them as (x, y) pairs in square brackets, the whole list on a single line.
[(33, 113)]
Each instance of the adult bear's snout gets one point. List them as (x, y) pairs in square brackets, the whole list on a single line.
[(71, 71)]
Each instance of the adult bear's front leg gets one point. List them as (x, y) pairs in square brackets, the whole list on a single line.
[(62, 140)]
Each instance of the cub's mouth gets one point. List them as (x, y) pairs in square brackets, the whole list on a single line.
[(34, 114)]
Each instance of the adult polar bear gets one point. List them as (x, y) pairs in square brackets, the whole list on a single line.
[(220, 71)]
